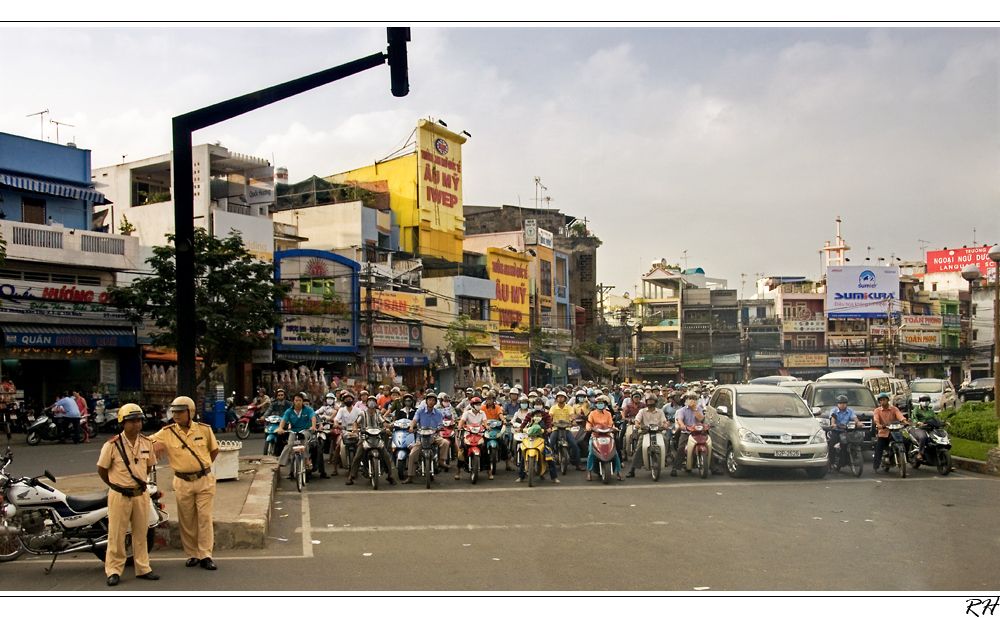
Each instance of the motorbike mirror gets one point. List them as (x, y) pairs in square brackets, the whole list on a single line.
[(723, 410), (816, 410), (49, 476)]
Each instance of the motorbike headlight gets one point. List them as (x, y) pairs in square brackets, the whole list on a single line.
[(818, 438), (748, 436)]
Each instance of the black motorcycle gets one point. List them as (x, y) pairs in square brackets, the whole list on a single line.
[(372, 442), (937, 451), (563, 436), (846, 447), (895, 454), (428, 454)]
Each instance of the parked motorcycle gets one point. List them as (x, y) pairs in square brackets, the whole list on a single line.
[(250, 422), (473, 439), (272, 439), (494, 429), (532, 453), (44, 428), (699, 450), (402, 440), (41, 520), (937, 451), (895, 454), (653, 449), (847, 447), (602, 443)]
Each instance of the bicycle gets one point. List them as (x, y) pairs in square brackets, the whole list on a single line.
[(299, 460)]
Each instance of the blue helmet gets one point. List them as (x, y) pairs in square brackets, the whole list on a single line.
[(886, 395)]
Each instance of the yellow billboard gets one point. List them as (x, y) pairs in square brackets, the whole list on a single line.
[(509, 271), (397, 304), (489, 335)]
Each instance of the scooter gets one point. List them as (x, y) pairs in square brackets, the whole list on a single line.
[(895, 454), (532, 453), (44, 428), (250, 422), (563, 436), (473, 440), (371, 445), (272, 439), (699, 450), (402, 440), (652, 449), (579, 433), (846, 449), (349, 447), (448, 433), (937, 451), (602, 443), (493, 437), (625, 450), (428, 454), (41, 520)]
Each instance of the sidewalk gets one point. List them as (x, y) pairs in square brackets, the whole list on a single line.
[(242, 510)]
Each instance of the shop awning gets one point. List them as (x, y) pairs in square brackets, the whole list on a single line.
[(55, 336), (604, 366), (53, 188), (404, 358), (482, 352), (305, 357)]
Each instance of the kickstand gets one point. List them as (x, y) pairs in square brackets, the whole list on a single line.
[(48, 569)]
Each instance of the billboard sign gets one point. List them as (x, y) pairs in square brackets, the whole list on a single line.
[(933, 322), (530, 232), (545, 238), (398, 304), (954, 260), (848, 362), (509, 271), (862, 291)]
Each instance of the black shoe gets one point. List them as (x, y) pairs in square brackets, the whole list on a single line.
[(631, 474), (151, 576), (192, 562), (392, 481), (324, 476), (207, 564), (349, 482), (113, 580), (673, 473)]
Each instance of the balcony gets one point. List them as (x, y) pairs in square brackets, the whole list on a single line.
[(701, 327), (561, 292), (61, 245)]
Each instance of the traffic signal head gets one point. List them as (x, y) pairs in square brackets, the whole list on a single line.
[(398, 74)]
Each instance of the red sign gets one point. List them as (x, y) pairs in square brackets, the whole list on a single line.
[(954, 260)]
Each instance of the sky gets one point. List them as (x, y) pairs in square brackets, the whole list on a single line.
[(739, 145)]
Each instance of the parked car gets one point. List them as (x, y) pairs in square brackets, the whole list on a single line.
[(798, 387), (768, 426), (901, 396), (821, 397), (980, 389), (942, 393)]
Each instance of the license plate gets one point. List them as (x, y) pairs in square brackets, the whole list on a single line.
[(604, 440), (786, 453)]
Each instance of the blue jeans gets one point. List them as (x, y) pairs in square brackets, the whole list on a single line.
[(574, 448), (548, 458), (590, 461)]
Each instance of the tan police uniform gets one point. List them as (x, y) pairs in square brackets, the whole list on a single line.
[(194, 484), (124, 510)]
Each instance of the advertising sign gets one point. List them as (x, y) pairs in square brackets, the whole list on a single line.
[(509, 271), (77, 301), (848, 362), (257, 232), (514, 352), (545, 238), (726, 359), (910, 357), (879, 330), (490, 337), (926, 322), (439, 195), (803, 326), (954, 260), (310, 320), (394, 334), (862, 291), (530, 232), (849, 343), (921, 338), (805, 360), (398, 304)]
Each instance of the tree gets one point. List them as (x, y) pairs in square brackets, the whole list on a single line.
[(461, 336), (236, 299)]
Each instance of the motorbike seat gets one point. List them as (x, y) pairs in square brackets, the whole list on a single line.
[(88, 502)]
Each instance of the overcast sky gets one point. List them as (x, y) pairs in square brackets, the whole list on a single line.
[(739, 145)]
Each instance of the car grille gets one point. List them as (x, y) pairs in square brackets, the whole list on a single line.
[(770, 456), (776, 439)]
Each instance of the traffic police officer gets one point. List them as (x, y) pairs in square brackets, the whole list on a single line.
[(191, 448), (124, 465)]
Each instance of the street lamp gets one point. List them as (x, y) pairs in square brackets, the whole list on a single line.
[(971, 273), (995, 256)]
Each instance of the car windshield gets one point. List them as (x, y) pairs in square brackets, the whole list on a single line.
[(796, 387), (925, 387), (856, 396), (983, 383), (771, 405)]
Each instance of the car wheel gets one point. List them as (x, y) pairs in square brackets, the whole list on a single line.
[(987, 397), (733, 467), (816, 472)]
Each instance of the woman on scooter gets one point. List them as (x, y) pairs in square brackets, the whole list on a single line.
[(536, 431), (473, 416), (601, 416)]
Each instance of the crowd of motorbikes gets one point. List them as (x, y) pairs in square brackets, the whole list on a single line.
[(21, 418)]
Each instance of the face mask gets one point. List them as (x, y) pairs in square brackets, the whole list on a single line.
[(580, 399), (371, 404), (329, 402), (600, 406), (538, 407), (524, 406), (446, 404)]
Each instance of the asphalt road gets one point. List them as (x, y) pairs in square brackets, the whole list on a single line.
[(773, 531)]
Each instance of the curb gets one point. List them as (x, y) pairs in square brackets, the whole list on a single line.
[(974, 465)]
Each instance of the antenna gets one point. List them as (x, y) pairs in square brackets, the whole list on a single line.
[(926, 243), (57, 123), (42, 118), (685, 258), (538, 188)]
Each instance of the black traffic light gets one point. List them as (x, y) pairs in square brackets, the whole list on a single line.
[(398, 74)]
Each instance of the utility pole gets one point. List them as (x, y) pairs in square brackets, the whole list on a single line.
[(370, 327)]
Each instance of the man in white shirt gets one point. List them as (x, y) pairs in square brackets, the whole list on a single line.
[(344, 420)]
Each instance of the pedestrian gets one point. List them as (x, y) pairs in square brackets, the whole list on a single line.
[(124, 465), (191, 448)]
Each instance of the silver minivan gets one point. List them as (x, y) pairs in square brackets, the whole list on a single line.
[(770, 426)]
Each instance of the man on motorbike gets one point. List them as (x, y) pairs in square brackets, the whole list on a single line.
[(279, 405), (432, 418), (884, 414), (686, 417), (371, 418), (839, 418), (650, 415), (343, 420), (512, 405), (563, 412), (601, 415), (299, 418), (262, 401), (920, 415), (474, 415)]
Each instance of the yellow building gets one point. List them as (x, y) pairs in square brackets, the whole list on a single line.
[(425, 191)]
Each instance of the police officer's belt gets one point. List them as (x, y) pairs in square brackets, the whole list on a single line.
[(190, 476), (128, 492)]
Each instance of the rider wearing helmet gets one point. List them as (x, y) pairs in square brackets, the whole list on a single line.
[(330, 407), (601, 414), (561, 411), (884, 414), (510, 406), (404, 408), (685, 417), (262, 401), (372, 418), (536, 430), (581, 406), (839, 418), (427, 417), (920, 415), (650, 415)]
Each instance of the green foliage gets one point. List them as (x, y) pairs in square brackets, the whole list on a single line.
[(235, 298), (125, 226), (970, 449), (973, 421), (592, 348), (540, 340), (461, 335)]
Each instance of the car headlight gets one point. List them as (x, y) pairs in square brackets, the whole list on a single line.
[(818, 438), (748, 436)]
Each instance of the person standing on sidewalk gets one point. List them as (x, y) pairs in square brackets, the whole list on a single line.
[(124, 465), (191, 448)]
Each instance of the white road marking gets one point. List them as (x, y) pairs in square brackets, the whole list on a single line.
[(445, 527), (307, 546)]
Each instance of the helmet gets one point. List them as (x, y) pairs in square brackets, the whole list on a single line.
[(181, 404), (129, 411), (475, 401), (395, 389), (408, 396), (886, 395), (280, 391), (841, 398), (560, 394), (331, 396), (925, 399), (534, 431), (371, 398), (590, 392), (598, 392), (506, 389), (303, 395), (431, 394), (650, 397), (523, 398), (533, 394), (605, 399), (470, 390), (491, 395), (443, 396), (581, 393)]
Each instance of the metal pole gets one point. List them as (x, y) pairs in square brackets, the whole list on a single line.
[(996, 330)]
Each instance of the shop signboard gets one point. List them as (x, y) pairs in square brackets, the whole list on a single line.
[(488, 332), (311, 322), (257, 232), (921, 338), (805, 360), (398, 304), (395, 334), (954, 260), (545, 238), (530, 232), (849, 343), (514, 352), (914, 357), (803, 326), (402, 361), (923, 322), (862, 291), (848, 362), (509, 271), (439, 176), (22, 298), (879, 330), (726, 359)]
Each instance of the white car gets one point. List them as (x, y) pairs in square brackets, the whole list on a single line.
[(942, 393)]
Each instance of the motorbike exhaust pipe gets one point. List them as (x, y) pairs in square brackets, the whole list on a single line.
[(7, 530), (83, 547)]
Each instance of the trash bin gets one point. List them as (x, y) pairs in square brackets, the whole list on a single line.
[(227, 464)]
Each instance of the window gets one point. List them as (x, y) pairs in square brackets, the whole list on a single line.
[(33, 210), (310, 285), (472, 307), (807, 342), (431, 301), (546, 277)]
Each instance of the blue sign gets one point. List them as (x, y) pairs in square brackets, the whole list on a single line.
[(405, 361)]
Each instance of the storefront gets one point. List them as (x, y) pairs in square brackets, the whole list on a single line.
[(807, 366)]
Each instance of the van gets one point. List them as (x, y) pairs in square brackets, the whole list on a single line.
[(875, 379)]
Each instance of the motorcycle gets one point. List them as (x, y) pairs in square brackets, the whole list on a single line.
[(653, 449), (371, 443), (322, 439), (41, 520), (473, 441), (937, 451), (699, 450), (250, 422), (448, 433), (494, 430), (625, 449), (579, 433), (532, 453), (602, 443), (428, 454), (563, 436), (349, 447), (895, 454), (402, 440), (271, 438), (44, 428), (18, 417), (847, 447)]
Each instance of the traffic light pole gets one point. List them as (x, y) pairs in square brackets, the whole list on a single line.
[(183, 183)]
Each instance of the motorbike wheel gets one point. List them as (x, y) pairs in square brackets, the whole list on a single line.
[(10, 547), (530, 466), (269, 449), (857, 465), (401, 468), (299, 472), (34, 438), (703, 464), (428, 469), (563, 460), (474, 468), (901, 463), (242, 430), (944, 463), (605, 472), (733, 467), (653, 455), (375, 468)]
